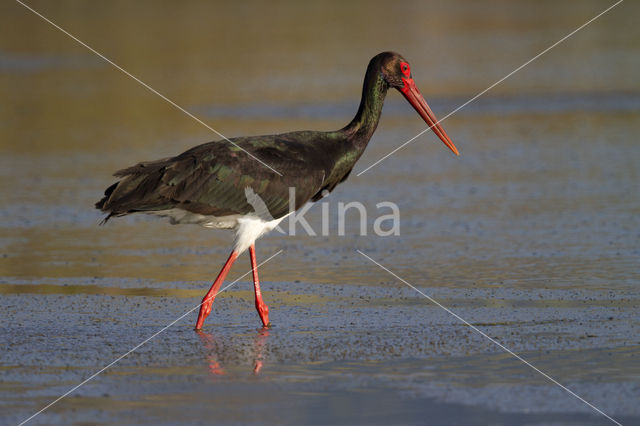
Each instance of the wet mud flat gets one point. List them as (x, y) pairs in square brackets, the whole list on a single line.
[(348, 354), (531, 235), (535, 242)]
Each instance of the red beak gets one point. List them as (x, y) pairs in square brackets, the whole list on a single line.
[(413, 95)]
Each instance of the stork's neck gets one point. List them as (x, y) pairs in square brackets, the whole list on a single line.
[(374, 90)]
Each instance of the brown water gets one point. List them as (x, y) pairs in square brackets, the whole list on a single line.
[(533, 234)]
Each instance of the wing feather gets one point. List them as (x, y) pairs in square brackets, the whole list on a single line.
[(210, 179)]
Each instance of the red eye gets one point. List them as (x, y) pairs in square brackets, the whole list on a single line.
[(404, 67)]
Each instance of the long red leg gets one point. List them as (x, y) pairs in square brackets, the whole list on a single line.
[(262, 308), (207, 301)]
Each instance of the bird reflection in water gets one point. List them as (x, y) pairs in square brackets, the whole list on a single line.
[(214, 348), (259, 342)]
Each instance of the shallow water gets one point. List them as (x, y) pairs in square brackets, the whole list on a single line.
[(532, 235)]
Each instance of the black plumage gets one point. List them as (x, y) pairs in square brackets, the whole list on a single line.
[(209, 184)]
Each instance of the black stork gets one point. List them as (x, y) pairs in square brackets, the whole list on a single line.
[(211, 184)]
